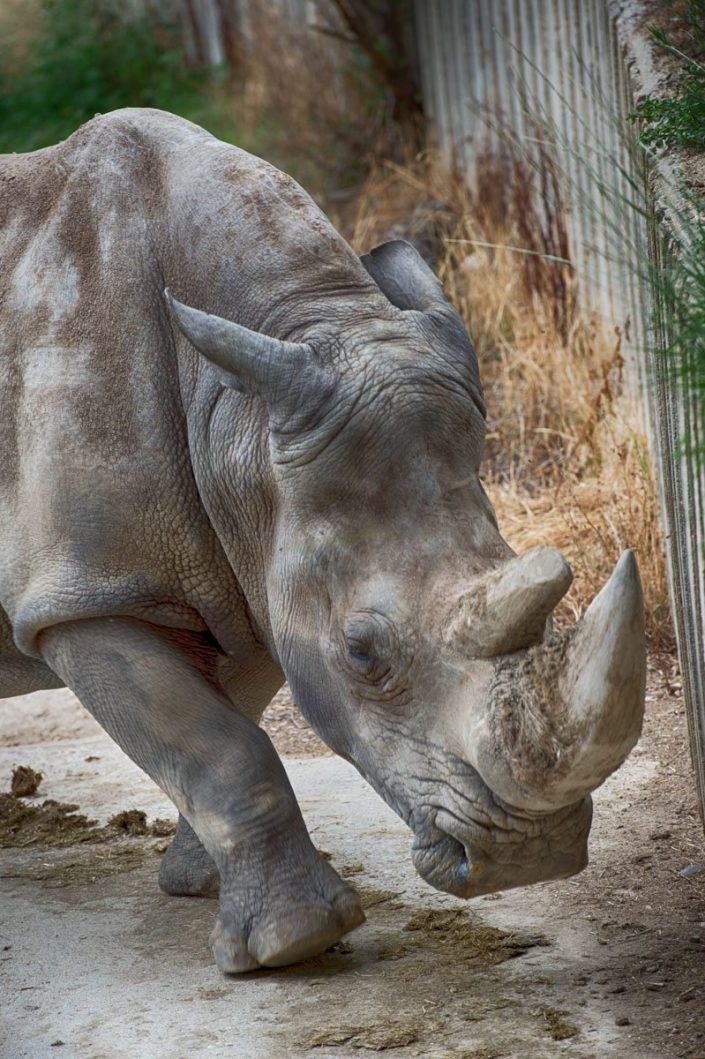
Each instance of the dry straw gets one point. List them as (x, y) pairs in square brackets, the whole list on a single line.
[(566, 462)]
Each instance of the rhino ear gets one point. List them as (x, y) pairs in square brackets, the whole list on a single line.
[(287, 375), (402, 274)]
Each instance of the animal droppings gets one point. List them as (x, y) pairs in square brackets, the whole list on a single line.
[(25, 781), (342, 947), (393, 952), (84, 866), (556, 1025), (59, 824), (379, 1038), (50, 824), (162, 828), (129, 822), (351, 869), (369, 897), (452, 930)]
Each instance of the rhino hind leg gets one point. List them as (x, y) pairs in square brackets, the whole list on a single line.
[(20, 674), (155, 691), (187, 869)]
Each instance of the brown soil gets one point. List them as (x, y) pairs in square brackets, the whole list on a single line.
[(289, 731)]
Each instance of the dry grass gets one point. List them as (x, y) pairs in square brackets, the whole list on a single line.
[(566, 461)]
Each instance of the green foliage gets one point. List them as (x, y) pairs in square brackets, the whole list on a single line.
[(678, 121), (88, 58)]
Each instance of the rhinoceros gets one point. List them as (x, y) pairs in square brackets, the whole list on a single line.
[(271, 472)]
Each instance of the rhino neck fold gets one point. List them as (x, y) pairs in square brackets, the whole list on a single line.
[(228, 446)]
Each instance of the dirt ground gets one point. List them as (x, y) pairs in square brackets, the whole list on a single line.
[(604, 966)]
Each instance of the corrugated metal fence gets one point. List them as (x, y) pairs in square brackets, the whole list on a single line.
[(499, 70), (524, 68)]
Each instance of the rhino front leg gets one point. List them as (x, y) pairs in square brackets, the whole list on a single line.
[(187, 870), (155, 692)]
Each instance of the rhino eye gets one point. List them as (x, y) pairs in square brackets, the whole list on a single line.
[(360, 649), (370, 651), (368, 647)]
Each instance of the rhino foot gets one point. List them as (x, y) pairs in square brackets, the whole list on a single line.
[(302, 927), (187, 870)]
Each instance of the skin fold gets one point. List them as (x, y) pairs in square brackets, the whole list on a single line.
[(270, 472)]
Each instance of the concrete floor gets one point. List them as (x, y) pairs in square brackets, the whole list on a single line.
[(96, 963)]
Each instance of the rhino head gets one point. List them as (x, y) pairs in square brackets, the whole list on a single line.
[(416, 643)]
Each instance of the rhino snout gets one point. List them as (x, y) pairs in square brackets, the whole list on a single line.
[(467, 860)]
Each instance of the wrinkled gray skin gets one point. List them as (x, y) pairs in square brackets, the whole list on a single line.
[(196, 507)]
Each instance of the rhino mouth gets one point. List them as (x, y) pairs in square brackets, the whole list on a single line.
[(467, 860), (443, 863)]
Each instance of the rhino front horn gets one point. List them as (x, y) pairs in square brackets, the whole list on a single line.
[(604, 679), (564, 715)]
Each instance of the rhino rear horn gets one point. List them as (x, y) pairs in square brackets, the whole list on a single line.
[(288, 375), (509, 609)]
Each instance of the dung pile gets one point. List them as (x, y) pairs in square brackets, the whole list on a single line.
[(451, 930), (49, 824), (379, 1037), (25, 781), (58, 824)]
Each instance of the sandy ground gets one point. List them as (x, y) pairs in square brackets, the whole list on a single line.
[(96, 963)]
